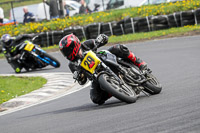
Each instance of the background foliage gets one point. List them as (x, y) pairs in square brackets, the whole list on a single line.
[(107, 16)]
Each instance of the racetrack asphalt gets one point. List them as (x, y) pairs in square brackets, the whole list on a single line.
[(175, 62)]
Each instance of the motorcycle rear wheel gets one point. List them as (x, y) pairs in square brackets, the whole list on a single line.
[(112, 86), (152, 86)]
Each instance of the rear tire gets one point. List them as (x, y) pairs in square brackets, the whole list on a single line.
[(112, 86), (152, 86)]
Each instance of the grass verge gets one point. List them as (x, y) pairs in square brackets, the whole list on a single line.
[(173, 32), (12, 86)]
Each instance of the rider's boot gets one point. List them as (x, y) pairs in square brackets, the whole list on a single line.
[(137, 61), (123, 52), (16, 66)]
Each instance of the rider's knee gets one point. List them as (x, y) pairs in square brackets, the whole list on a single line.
[(96, 97), (119, 50)]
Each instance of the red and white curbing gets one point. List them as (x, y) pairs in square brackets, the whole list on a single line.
[(57, 84)]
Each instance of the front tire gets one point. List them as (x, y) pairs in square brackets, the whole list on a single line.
[(112, 86), (53, 61)]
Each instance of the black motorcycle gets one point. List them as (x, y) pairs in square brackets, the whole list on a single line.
[(33, 57), (117, 76)]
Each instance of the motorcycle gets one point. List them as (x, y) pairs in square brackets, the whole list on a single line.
[(117, 76), (33, 57)]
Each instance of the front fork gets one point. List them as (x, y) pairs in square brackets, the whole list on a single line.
[(121, 82), (39, 59)]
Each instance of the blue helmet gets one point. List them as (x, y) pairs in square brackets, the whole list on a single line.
[(6, 39)]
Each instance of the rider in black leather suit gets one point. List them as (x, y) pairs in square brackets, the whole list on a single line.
[(70, 47), (11, 51)]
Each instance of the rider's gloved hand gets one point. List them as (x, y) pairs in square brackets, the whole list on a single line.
[(75, 75), (80, 77), (101, 40)]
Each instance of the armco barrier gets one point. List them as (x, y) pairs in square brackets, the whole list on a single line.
[(106, 28), (130, 25), (197, 16), (125, 26), (160, 22)]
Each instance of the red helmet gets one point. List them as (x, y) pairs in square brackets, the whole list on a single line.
[(69, 46)]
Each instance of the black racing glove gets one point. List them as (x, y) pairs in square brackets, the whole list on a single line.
[(101, 40), (80, 77)]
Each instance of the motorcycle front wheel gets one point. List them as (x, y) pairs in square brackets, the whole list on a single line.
[(113, 87), (53, 61)]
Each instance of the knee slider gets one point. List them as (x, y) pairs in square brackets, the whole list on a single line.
[(95, 97), (119, 50), (124, 50)]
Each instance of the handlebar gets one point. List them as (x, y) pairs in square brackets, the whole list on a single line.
[(34, 38)]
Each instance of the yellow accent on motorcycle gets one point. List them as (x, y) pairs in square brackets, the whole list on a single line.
[(90, 62), (13, 48), (17, 70), (29, 46)]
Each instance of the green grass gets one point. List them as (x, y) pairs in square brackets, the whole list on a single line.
[(155, 34), (11, 86)]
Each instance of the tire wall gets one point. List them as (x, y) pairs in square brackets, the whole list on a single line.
[(126, 26)]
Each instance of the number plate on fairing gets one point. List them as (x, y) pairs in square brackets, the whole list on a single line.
[(90, 62), (29, 46)]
